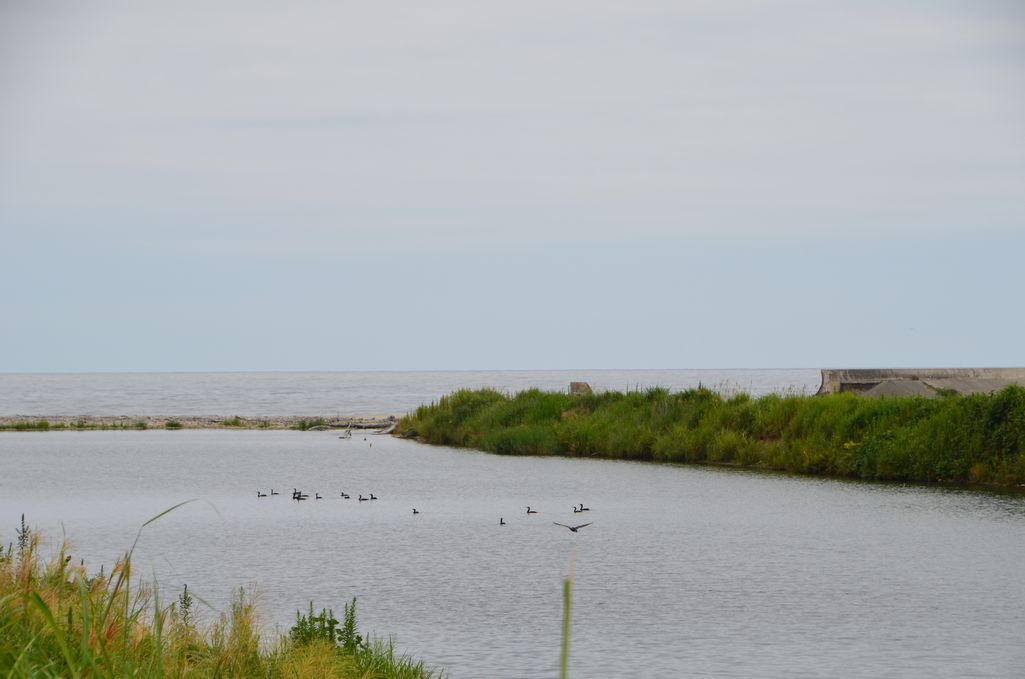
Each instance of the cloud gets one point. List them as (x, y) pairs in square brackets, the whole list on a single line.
[(281, 127)]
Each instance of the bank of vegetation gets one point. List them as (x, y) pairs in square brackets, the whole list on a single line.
[(56, 620), (976, 439)]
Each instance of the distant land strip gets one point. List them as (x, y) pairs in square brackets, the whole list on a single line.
[(129, 422)]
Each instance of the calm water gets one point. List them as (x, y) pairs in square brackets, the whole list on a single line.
[(331, 393), (684, 572)]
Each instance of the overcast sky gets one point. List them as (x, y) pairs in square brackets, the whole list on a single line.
[(474, 185)]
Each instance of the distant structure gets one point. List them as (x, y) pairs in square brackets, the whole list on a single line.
[(579, 388), (927, 382)]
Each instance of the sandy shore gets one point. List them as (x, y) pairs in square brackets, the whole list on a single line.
[(307, 422)]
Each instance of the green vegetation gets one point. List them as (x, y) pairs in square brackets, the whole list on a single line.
[(233, 422), (303, 425), (58, 621), (962, 439), (28, 425), (172, 424)]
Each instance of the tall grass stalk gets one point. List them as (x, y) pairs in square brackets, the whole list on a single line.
[(567, 609)]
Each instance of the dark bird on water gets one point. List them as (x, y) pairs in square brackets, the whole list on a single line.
[(572, 528), (415, 510), (501, 521), (274, 492), (361, 498), (259, 494), (583, 508), (318, 496), (530, 511), (373, 497)]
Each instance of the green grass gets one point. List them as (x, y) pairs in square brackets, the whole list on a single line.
[(304, 424), (29, 425), (978, 439), (56, 620)]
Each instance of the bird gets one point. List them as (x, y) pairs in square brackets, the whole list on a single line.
[(530, 511), (274, 492), (373, 497), (259, 494), (572, 528), (318, 496), (501, 521), (362, 499), (415, 510), (345, 495), (575, 510), (302, 497), (583, 508)]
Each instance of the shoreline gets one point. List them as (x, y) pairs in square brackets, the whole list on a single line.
[(172, 422)]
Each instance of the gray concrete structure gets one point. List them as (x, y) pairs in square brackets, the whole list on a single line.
[(927, 382)]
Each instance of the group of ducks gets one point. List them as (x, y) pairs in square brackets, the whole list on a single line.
[(576, 510), (298, 496)]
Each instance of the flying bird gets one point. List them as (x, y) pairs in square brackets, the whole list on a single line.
[(572, 528)]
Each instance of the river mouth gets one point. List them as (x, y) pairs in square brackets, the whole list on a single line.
[(684, 570)]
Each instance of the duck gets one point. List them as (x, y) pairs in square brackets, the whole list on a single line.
[(501, 521), (259, 494), (583, 508), (318, 496), (572, 528), (274, 492), (530, 511), (362, 499), (575, 510), (415, 511), (373, 497)]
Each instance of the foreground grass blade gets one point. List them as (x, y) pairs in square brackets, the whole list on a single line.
[(58, 633), (567, 608)]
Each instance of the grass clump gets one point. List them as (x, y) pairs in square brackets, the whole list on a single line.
[(57, 620), (235, 421), (27, 425), (304, 424), (173, 424), (977, 438)]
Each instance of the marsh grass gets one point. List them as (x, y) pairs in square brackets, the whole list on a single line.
[(57, 620), (305, 424), (978, 438)]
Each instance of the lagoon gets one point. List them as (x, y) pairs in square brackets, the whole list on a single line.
[(686, 571)]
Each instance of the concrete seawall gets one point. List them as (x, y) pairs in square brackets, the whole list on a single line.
[(926, 382)]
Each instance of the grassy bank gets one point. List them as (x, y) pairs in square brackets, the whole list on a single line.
[(58, 621), (962, 439)]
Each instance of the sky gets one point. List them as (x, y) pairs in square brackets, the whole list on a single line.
[(194, 186)]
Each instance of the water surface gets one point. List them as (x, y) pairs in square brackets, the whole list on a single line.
[(264, 394), (685, 571)]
